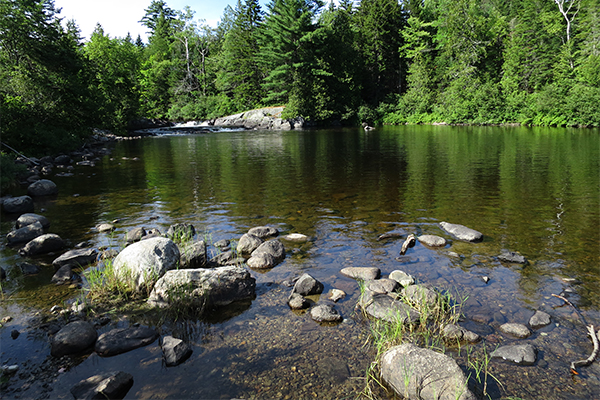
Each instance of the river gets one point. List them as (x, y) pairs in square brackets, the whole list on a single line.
[(535, 191)]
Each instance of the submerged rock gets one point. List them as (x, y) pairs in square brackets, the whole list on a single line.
[(110, 385), (206, 286), (296, 237), (29, 269), (518, 330), (74, 338), (460, 334), (462, 232), (417, 373), (384, 307), (143, 263), (122, 340), (512, 257), (524, 354), (18, 205), (539, 319)]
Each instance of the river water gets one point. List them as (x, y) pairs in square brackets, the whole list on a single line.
[(530, 190)]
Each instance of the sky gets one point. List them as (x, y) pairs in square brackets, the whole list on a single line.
[(118, 17)]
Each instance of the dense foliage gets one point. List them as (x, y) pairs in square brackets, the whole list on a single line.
[(455, 61)]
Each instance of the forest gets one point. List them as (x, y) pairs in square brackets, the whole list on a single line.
[(529, 62)]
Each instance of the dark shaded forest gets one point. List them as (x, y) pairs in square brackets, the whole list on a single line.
[(531, 62)]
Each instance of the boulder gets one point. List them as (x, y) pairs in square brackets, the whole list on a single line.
[(43, 187), (143, 263), (18, 205), (73, 338), (325, 313), (298, 302), (417, 373), (362, 273), (517, 330), (30, 218), (273, 247), (77, 257), (263, 232), (193, 255), (262, 261), (524, 354), (402, 278), (512, 257), (539, 320), (205, 286), (175, 351), (180, 232), (432, 240), (26, 233), (306, 285), (122, 340), (110, 385), (42, 244), (248, 243), (382, 306), (461, 232)]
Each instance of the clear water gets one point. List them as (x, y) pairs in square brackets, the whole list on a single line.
[(531, 190)]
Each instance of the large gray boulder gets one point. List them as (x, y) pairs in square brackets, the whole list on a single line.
[(143, 263), (30, 218), (77, 257), (461, 232), (74, 338), (122, 340), (110, 385), (26, 233), (267, 255), (43, 187), (18, 205), (42, 244), (205, 286), (423, 374), (248, 243)]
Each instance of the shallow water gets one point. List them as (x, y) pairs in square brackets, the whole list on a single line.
[(531, 190)]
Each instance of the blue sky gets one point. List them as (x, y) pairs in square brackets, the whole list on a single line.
[(118, 17)]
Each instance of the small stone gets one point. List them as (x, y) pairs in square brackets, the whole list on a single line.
[(14, 334), (10, 369), (485, 278), (325, 313), (29, 269), (524, 354), (295, 237), (175, 351), (298, 302), (518, 330), (432, 240), (539, 319), (307, 285), (462, 232), (402, 278), (512, 257), (222, 244), (336, 295), (382, 286)]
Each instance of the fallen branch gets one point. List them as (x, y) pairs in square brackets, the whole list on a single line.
[(409, 242), (591, 333), (592, 357), (25, 157)]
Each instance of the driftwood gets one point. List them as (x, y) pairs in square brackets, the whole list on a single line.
[(409, 242), (591, 332), (389, 235)]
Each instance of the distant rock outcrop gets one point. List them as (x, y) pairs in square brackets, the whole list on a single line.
[(262, 118)]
